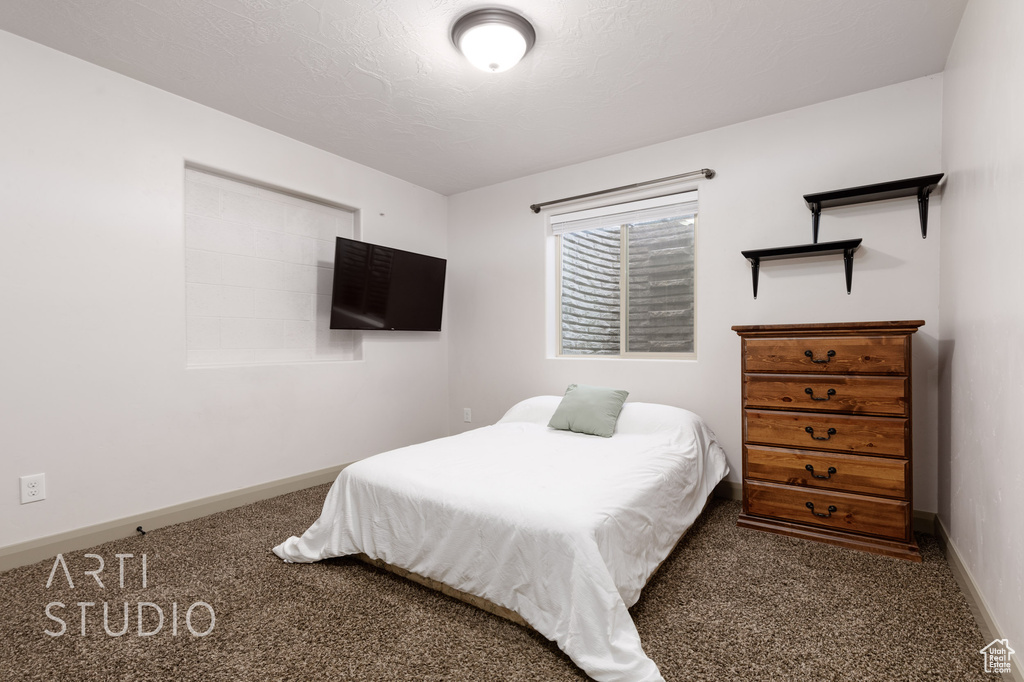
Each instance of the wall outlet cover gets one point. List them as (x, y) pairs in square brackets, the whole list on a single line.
[(33, 488)]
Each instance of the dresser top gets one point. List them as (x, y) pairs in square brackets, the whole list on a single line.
[(859, 327)]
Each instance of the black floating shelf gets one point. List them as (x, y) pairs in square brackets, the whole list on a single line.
[(920, 187), (845, 247)]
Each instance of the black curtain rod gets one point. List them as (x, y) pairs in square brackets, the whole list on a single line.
[(706, 172)]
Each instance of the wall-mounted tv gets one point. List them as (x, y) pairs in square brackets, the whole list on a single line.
[(377, 287)]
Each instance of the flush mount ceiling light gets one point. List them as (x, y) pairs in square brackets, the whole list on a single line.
[(493, 39)]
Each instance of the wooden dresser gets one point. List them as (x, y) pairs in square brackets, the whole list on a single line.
[(827, 451)]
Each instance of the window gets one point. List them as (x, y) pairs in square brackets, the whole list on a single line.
[(626, 278)]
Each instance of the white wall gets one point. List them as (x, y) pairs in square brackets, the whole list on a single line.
[(498, 250), (94, 389), (259, 270), (981, 472)]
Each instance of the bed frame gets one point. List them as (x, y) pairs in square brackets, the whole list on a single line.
[(472, 599)]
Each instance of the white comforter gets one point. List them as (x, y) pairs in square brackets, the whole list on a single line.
[(562, 528)]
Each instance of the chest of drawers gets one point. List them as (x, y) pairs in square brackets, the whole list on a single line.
[(827, 450)]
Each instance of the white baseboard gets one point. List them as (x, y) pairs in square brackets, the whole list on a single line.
[(924, 522), (979, 606), (728, 490), (25, 553)]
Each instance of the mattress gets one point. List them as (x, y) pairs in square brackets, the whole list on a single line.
[(560, 527)]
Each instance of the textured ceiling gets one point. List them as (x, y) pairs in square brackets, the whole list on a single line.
[(378, 81)]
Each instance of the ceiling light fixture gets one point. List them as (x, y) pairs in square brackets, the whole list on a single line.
[(493, 39)]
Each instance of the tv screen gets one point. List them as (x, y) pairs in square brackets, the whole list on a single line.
[(377, 287)]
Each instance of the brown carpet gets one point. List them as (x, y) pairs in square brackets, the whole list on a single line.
[(729, 604)]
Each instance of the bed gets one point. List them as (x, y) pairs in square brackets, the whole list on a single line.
[(562, 528)]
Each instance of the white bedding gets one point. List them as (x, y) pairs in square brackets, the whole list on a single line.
[(562, 528)]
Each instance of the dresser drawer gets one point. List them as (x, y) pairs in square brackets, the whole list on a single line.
[(827, 393), (829, 470), (846, 433), (827, 354), (839, 511)]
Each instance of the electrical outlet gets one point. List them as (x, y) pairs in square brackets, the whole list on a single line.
[(33, 488), (467, 415)]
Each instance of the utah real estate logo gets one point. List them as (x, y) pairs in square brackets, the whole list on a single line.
[(997, 656)]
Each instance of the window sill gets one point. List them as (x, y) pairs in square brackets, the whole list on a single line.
[(673, 357)]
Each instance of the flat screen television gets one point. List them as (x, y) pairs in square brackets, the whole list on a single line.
[(377, 287)]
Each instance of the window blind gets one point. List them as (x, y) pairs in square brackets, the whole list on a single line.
[(628, 213)]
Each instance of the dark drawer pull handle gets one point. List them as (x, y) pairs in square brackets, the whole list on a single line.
[(810, 430), (828, 394), (828, 356), (831, 470), (831, 509)]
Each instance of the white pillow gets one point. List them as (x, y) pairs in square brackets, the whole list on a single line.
[(635, 418), (644, 418), (536, 410)]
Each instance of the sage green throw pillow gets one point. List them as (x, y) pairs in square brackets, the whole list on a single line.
[(589, 409)]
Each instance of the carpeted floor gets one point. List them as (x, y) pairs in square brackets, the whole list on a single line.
[(729, 604)]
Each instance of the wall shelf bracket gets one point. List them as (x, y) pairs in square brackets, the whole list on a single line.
[(815, 220), (922, 208)]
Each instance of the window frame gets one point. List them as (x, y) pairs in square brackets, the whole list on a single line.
[(624, 290)]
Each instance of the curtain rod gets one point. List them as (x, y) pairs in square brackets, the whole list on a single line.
[(706, 172)]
